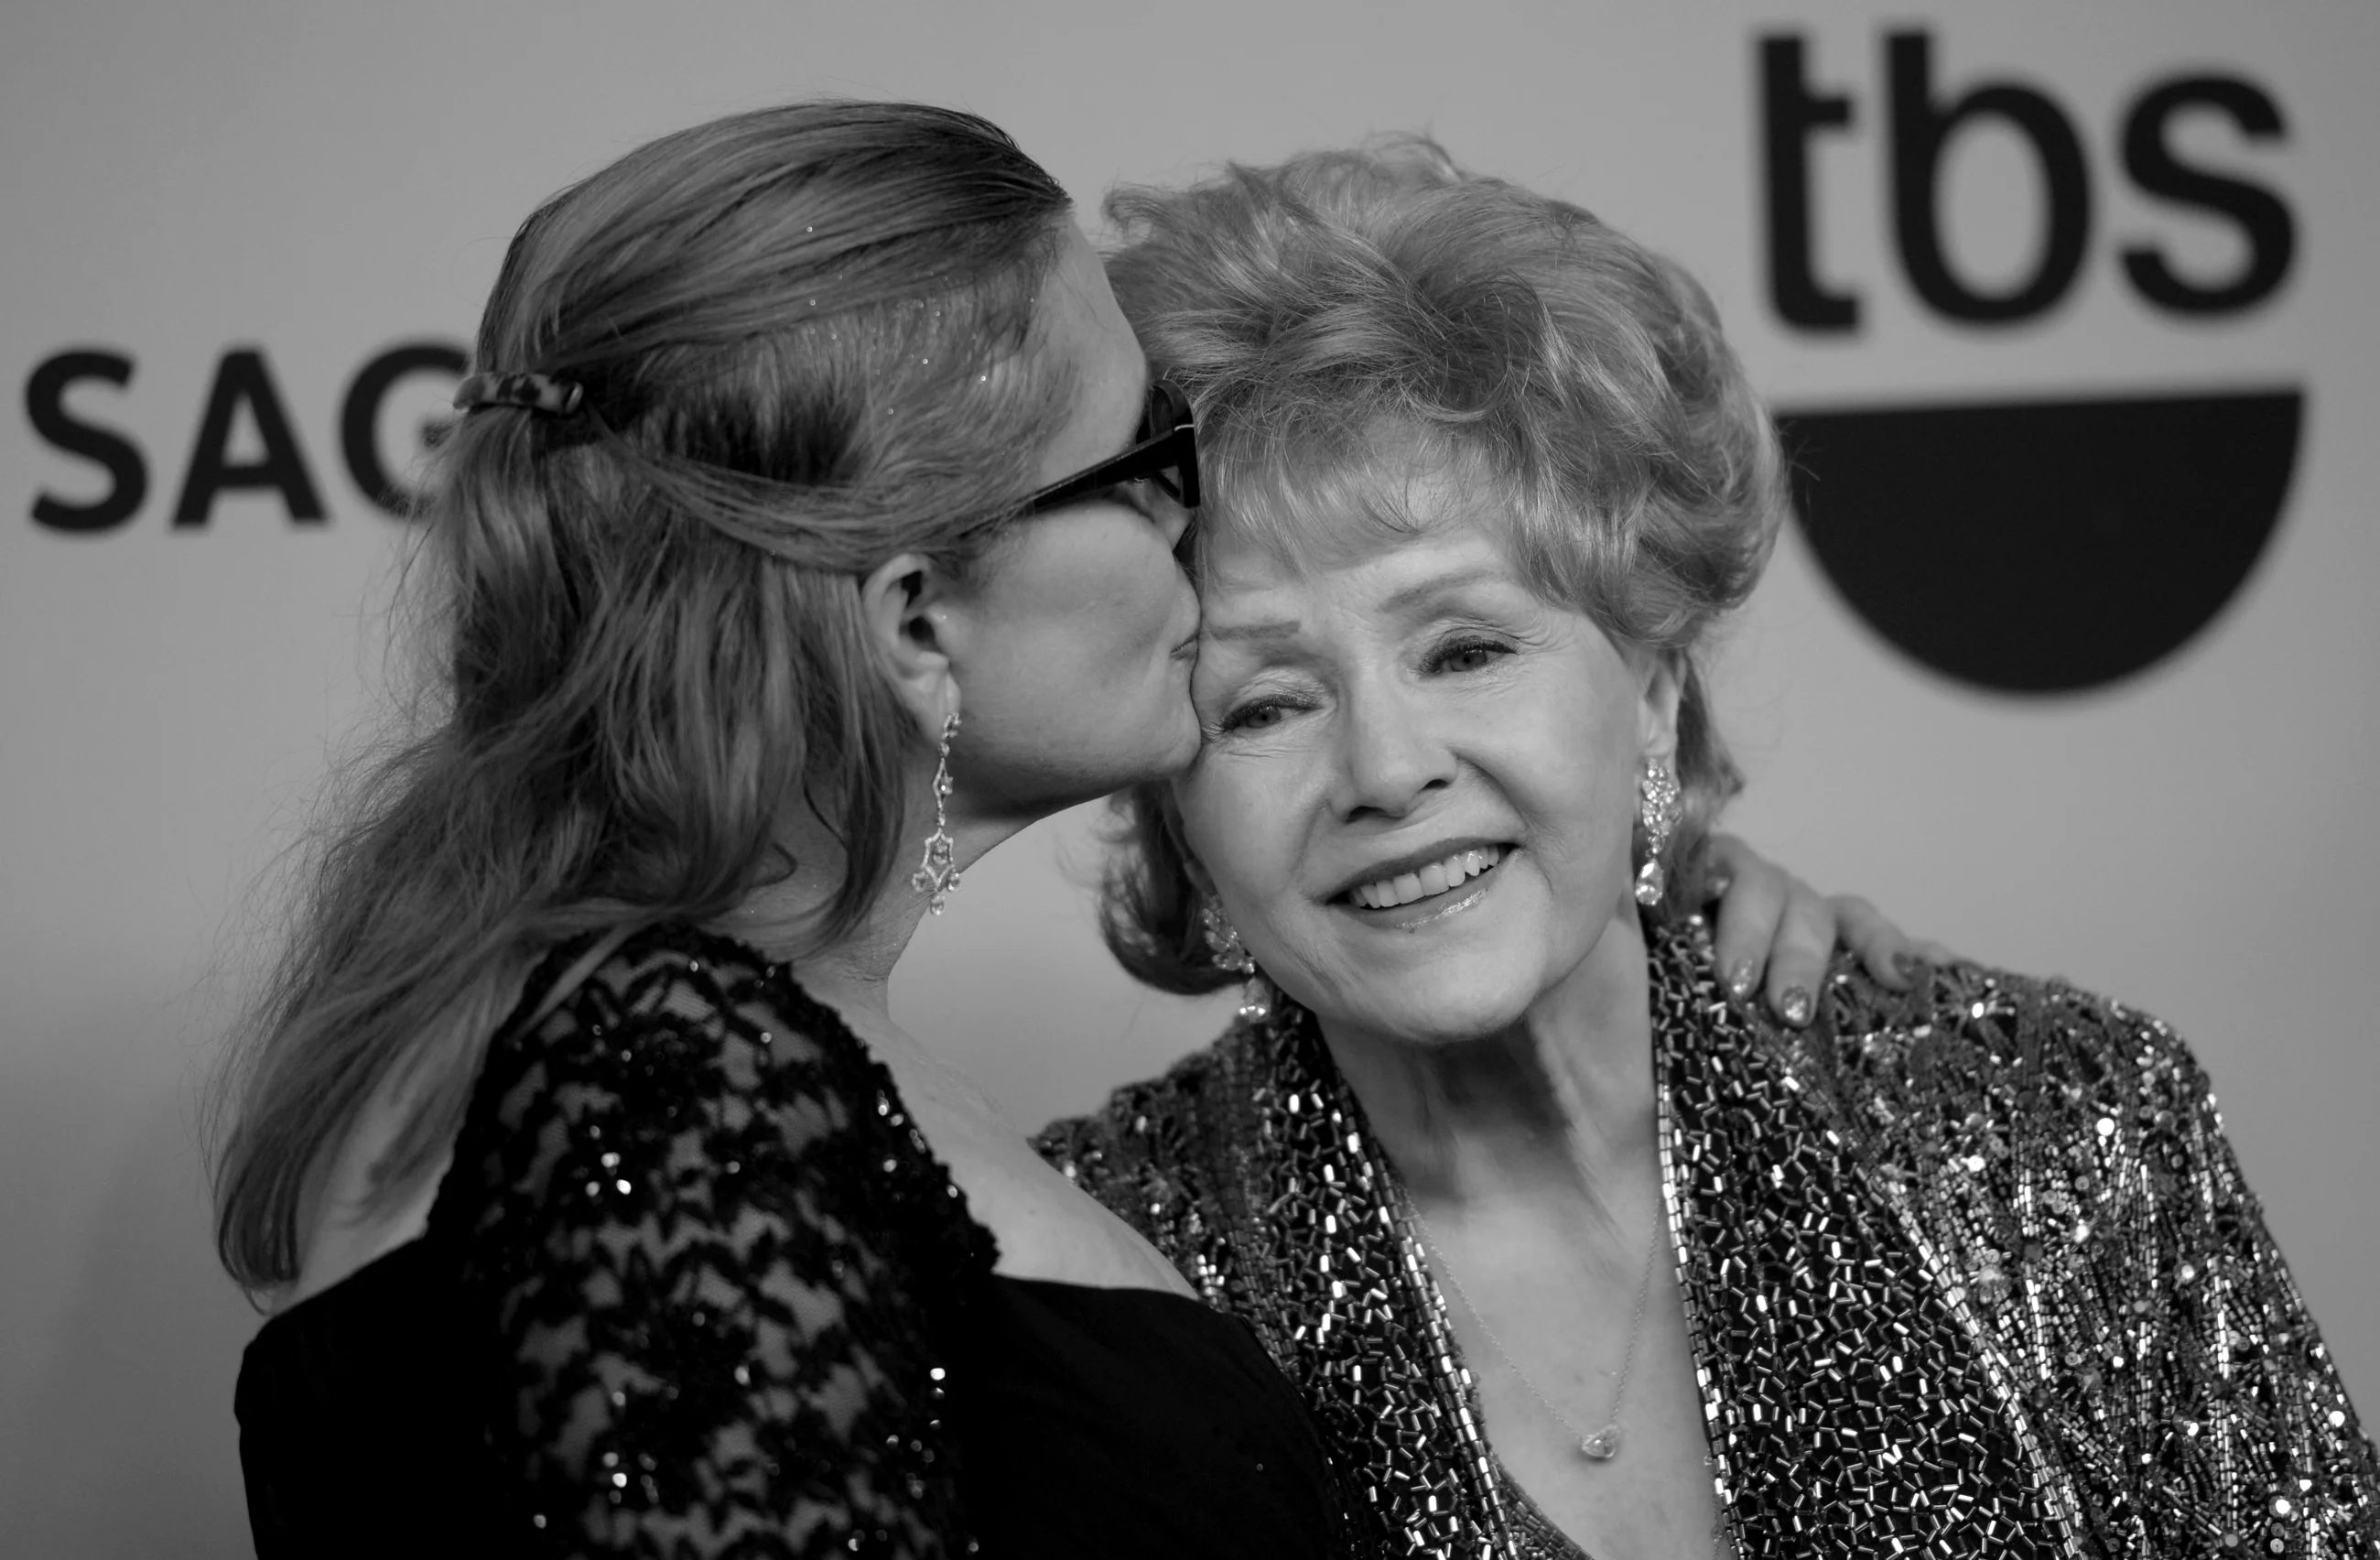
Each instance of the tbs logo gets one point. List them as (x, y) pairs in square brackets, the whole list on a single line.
[(2043, 545)]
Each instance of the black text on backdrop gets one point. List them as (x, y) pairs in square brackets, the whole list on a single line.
[(242, 382), (2113, 538), (2048, 543)]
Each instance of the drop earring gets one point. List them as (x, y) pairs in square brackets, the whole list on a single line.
[(1232, 955), (937, 872), (1223, 938), (1660, 812)]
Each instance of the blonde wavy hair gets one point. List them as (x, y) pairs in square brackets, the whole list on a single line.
[(1346, 320), (805, 342)]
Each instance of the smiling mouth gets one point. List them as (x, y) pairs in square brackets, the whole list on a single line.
[(1422, 893)]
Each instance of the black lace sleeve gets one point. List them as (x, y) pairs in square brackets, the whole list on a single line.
[(723, 1267)]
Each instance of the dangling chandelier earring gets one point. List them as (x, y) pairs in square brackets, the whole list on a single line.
[(1660, 812), (1230, 953), (938, 872)]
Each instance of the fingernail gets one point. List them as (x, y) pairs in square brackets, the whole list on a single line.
[(1906, 964), (1796, 1006), (1739, 983)]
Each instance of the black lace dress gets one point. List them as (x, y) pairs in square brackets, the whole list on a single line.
[(695, 1287)]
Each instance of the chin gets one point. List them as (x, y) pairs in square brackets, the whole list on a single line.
[(1433, 1006), (1156, 749)]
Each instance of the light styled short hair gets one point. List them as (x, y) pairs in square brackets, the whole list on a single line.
[(1347, 322)]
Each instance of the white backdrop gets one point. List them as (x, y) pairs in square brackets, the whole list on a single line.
[(320, 183)]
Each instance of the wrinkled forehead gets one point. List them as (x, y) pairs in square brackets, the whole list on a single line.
[(1318, 503)]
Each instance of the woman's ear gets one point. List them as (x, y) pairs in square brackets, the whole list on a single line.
[(1663, 685), (903, 606)]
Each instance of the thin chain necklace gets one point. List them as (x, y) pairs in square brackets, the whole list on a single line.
[(1603, 1445)]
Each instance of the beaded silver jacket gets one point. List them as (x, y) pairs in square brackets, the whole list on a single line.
[(1970, 1269)]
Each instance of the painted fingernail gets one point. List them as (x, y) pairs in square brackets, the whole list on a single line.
[(1739, 983), (1796, 1006)]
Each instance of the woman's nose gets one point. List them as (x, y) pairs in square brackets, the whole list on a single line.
[(1391, 757)]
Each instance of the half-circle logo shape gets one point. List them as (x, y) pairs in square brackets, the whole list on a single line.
[(2039, 546)]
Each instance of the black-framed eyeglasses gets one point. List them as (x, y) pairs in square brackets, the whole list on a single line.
[(1166, 453)]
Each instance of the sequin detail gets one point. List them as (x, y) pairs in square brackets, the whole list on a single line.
[(1968, 1270), (724, 1267)]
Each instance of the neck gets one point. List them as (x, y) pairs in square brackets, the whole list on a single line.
[(853, 973), (1558, 1101)]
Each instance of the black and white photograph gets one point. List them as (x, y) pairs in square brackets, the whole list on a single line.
[(1323, 780)]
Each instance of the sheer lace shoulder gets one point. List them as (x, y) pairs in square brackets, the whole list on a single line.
[(726, 1270)]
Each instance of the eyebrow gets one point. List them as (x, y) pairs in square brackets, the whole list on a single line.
[(1427, 590), (1270, 628), (1416, 594)]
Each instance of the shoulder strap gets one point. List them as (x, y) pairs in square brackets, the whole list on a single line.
[(586, 964)]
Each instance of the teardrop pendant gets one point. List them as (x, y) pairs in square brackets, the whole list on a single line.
[(1603, 1445)]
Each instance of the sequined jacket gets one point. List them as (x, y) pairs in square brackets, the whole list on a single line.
[(1970, 1269)]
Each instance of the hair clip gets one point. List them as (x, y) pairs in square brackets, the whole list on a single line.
[(531, 391)]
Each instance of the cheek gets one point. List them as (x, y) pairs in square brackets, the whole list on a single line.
[(1582, 792), (1204, 798), (1567, 762), (1086, 622), (1242, 830), (1117, 586)]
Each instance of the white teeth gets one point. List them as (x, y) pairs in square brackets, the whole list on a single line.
[(1437, 878)]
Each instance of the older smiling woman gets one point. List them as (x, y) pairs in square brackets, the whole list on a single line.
[(1966, 1268)]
